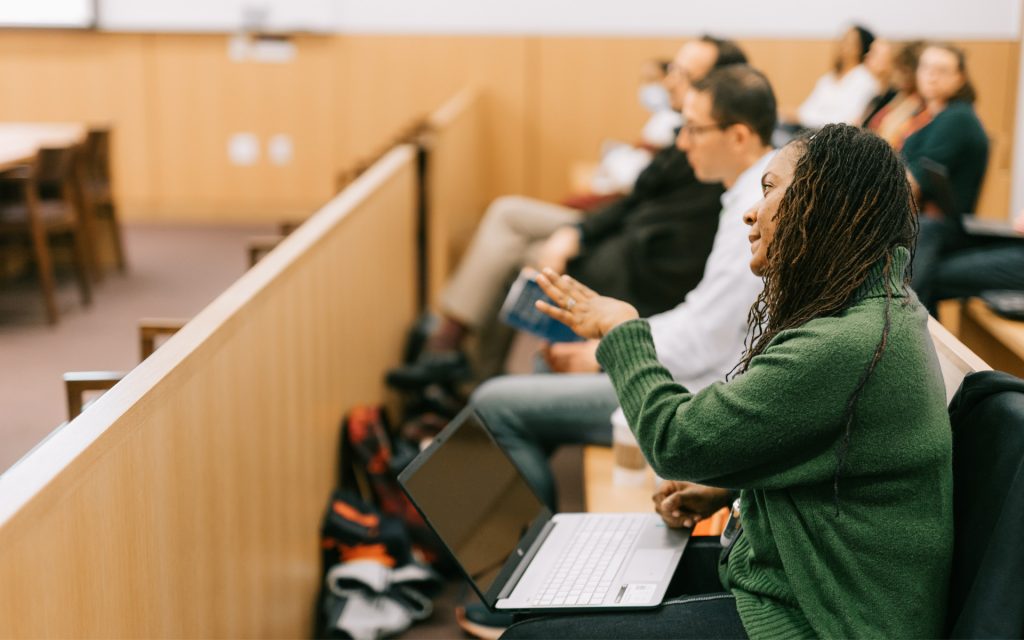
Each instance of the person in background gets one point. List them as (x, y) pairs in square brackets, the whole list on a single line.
[(879, 61), (946, 161), (899, 112), (622, 162), (650, 246), (832, 428), (842, 94), (656, 97)]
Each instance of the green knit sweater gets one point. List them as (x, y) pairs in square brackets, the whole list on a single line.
[(880, 567)]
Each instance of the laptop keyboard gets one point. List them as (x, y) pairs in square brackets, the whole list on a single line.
[(585, 572)]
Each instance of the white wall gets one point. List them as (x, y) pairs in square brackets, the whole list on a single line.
[(953, 19), (223, 16), (47, 13)]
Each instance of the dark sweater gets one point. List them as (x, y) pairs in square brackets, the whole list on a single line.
[(649, 248), (956, 142), (880, 568)]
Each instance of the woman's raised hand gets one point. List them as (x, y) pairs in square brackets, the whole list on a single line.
[(584, 311)]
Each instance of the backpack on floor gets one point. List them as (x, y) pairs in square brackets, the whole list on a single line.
[(371, 584), (371, 459)]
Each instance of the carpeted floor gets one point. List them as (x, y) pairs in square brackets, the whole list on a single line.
[(174, 271)]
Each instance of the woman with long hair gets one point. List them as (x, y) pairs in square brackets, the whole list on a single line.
[(947, 160), (832, 428), (954, 141)]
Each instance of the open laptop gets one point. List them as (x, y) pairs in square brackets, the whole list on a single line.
[(516, 554)]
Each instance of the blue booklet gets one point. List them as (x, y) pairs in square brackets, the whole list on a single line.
[(519, 312)]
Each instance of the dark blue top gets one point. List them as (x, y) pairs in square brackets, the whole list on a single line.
[(955, 143)]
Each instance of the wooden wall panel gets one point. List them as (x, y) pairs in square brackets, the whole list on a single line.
[(201, 97), (79, 76), (186, 501), (393, 79), (583, 91), (456, 184), (994, 68)]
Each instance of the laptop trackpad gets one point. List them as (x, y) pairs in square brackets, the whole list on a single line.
[(649, 565)]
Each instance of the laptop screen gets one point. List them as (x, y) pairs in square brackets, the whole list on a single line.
[(475, 499)]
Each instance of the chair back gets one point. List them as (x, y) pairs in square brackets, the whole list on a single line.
[(55, 165), (987, 415), (96, 150)]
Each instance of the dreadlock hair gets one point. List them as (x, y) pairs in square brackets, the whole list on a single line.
[(848, 208)]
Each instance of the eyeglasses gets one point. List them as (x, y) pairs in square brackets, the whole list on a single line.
[(697, 129)]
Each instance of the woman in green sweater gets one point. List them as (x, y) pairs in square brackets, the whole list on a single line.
[(833, 427)]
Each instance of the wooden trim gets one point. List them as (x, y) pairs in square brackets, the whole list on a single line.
[(955, 359), (999, 340)]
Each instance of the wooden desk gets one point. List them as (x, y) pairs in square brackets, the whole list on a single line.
[(21, 141), (997, 340), (603, 496)]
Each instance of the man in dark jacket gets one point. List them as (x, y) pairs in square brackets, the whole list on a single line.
[(649, 248)]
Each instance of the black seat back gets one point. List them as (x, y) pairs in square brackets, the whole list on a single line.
[(987, 589)]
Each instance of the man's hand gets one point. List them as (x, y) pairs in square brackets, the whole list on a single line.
[(572, 357), (558, 249), (684, 504)]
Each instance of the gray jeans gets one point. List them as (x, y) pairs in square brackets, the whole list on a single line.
[(532, 415)]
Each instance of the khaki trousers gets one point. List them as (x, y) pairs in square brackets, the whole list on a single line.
[(511, 232)]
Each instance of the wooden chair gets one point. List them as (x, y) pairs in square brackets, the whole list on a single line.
[(48, 204), (78, 383), (152, 328), (99, 194), (259, 246)]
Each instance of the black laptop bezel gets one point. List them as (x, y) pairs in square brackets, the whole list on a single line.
[(522, 551)]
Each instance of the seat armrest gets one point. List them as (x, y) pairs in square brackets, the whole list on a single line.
[(77, 383)]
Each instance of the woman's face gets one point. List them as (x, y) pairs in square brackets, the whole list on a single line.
[(761, 218), (849, 48), (879, 60), (938, 74)]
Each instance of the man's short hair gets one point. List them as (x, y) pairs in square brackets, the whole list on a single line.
[(728, 51), (740, 94)]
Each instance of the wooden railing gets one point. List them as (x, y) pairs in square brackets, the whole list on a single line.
[(185, 502)]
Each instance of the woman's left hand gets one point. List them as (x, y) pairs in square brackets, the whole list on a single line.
[(585, 312)]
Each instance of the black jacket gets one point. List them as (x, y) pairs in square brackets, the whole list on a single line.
[(649, 248), (987, 415)]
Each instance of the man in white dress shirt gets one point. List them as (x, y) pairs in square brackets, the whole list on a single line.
[(730, 116)]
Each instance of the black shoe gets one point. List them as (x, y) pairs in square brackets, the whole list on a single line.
[(443, 367), (480, 622)]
